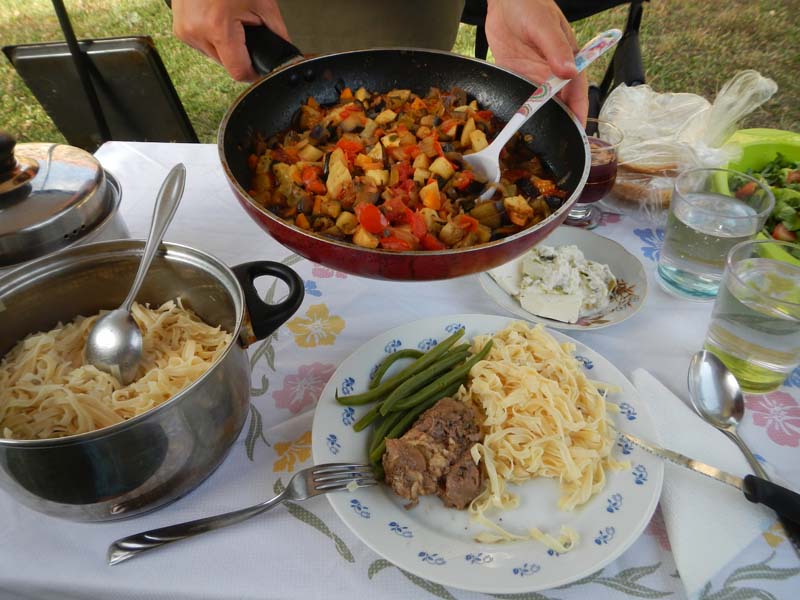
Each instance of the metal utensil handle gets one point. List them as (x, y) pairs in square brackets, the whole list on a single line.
[(593, 49), (790, 528), (783, 501), (751, 458), (133, 545), (169, 197)]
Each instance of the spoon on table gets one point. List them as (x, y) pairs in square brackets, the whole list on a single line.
[(486, 162), (114, 344), (717, 398)]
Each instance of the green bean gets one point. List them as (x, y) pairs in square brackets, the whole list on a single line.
[(389, 361), (368, 417), (382, 429), (424, 377), (457, 374), (388, 385), (405, 422)]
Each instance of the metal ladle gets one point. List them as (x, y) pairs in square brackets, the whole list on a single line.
[(716, 396), (114, 344)]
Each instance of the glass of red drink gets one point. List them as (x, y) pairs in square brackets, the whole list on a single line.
[(604, 139)]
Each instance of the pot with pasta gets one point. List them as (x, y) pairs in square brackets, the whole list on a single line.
[(74, 442)]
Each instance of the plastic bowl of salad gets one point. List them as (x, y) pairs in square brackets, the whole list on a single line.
[(773, 156)]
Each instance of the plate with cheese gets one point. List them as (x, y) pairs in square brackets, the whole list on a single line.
[(574, 279)]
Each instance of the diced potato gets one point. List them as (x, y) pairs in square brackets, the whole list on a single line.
[(487, 214), (331, 208), (432, 220), (386, 116), (399, 95), (469, 127), (391, 140), (451, 234), (423, 131), (518, 210), (310, 153), (261, 182), (484, 234), (379, 176), (369, 129), (338, 174), (428, 146), (347, 222), (430, 196), (362, 94), (264, 163), (442, 167), (376, 153), (422, 162), (477, 140), (474, 105), (364, 238), (421, 175), (284, 173), (463, 108)]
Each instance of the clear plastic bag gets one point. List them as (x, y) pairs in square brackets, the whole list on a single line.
[(666, 133)]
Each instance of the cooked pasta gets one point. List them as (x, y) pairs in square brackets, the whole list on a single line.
[(46, 390), (542, 418)]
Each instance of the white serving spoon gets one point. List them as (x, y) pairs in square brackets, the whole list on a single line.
[(486, 163)]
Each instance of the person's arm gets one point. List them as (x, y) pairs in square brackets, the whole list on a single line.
[(215, 28), (534, 39)]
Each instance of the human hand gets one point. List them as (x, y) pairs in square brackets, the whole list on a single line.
[(216, 28), (533, 38)]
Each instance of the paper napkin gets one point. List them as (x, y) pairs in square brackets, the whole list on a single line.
[(708, 523)]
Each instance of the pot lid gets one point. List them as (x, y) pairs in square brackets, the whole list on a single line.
[(50, 196)]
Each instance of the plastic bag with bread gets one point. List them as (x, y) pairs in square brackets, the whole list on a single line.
[(666, 133)]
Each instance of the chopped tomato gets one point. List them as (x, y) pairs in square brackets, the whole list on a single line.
[(252, 162), (285, 155), (350, 147), (404, 171), (412, 150), (371, 218), (418, 227), (466, 222), (748, 189), (394, 243), (395, 210), (462, 179), (484, 115), (431, 242), (310, 177), (783, 234)]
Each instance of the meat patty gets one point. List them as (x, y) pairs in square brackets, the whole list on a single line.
[(433, 456)]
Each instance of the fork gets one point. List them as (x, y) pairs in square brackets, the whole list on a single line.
[(486, 163), (310, 482)]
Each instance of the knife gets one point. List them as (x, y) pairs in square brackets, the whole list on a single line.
[(759, 491)]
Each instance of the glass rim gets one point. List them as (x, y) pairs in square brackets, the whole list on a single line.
[(609, 124), (759, 214), (730, 270)]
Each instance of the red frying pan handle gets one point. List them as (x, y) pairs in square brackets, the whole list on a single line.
[(268, 50)]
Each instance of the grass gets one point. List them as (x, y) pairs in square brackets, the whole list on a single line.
[(688, 46)]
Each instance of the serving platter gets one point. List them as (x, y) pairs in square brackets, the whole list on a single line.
[(437, 543), (626, 300)]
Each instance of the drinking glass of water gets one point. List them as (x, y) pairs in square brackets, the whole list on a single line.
[(604, 139), (711, 211), (755, 324)]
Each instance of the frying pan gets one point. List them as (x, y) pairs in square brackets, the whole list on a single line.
[(268, 105)]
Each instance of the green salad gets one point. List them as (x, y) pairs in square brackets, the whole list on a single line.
[(783, 177)]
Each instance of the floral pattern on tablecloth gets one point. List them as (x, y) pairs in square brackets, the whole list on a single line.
[(301, 390), (317, 328), (779, 413)]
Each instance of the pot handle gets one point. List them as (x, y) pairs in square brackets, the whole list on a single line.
[(267, 49), (262, 319)]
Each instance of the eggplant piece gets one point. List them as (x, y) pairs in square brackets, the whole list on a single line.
[(554, 202), (526, 188)]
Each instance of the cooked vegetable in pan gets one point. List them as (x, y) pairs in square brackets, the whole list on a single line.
[(387, 171)]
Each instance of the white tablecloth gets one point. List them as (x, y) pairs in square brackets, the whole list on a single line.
[(307, 552)]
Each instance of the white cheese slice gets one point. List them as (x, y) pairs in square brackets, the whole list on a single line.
[(552, 305), (508, 277)]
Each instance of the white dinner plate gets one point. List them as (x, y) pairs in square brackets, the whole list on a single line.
[(626, 300), (437, 543)]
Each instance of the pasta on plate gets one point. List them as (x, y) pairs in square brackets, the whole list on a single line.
[(542, 418), (46, 390)]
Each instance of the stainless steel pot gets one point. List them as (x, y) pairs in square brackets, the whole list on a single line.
[(156, 457)]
